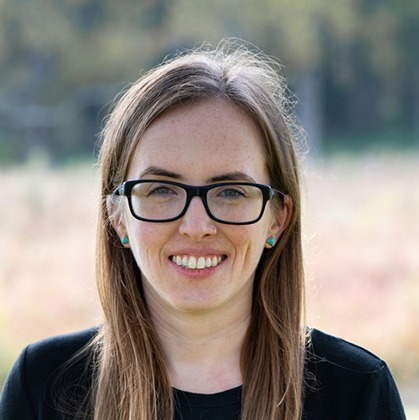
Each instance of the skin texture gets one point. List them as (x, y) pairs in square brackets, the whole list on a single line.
[(201, 315)]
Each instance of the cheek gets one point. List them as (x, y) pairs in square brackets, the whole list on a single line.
[(254, 240), (250, 242), (144, 238)]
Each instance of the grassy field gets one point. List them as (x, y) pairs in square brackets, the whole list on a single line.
[(361, 239)]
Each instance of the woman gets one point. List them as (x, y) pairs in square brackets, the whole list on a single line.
[(199, 267)]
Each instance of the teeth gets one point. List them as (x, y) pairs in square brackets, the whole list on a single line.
[(201, 263), (194, 263)]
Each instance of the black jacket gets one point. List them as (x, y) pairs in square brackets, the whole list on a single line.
[(344, 382)]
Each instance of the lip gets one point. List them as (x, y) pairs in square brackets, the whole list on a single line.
[(198, 252)]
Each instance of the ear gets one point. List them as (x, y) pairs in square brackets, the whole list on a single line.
[(116, 218), (281, 218)]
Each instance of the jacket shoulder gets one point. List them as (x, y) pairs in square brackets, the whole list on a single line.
[(58, 349), (344, 380), (42, 371), (325, 348)]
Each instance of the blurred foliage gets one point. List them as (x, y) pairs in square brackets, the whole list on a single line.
[(62, 62)]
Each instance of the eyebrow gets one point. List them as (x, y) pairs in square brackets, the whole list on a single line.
[(154, 170), (232, 176), (229, 176)]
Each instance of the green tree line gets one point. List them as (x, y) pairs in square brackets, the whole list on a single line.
[(354, 64)]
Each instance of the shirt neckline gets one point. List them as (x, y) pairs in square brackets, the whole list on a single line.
[(220, 399)]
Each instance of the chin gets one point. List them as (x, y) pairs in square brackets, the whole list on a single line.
[(196, 305)]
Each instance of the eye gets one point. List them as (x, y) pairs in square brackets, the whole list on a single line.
[(161, 190), (230, 192)]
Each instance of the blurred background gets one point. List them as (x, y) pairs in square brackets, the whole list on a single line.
[(354, 67)]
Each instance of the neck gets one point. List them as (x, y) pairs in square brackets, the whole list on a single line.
[(203, 349)]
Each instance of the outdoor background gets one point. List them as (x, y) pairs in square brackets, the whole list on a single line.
[(354, 67)]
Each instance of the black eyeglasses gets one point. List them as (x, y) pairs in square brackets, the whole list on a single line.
[(233, 203)]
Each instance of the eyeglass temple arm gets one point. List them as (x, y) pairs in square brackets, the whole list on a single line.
[(273, 191)]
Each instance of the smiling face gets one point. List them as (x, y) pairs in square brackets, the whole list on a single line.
[(195, 264)]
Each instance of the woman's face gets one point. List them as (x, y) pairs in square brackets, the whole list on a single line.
[(196, 144)]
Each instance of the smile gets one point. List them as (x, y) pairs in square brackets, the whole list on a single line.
[(196, 263)]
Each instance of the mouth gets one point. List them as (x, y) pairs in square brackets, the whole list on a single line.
[(197, 263)]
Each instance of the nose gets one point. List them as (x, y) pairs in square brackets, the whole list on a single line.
[(196, 223)]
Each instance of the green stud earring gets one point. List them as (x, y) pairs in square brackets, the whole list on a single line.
[(271, 241), (124, 240)]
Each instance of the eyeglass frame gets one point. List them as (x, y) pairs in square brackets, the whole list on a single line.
[(268, 192)]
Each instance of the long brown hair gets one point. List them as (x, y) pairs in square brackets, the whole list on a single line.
[(132, 381)]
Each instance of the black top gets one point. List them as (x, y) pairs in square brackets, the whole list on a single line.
[(344, 382)]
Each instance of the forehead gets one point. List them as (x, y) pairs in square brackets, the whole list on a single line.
[(200, 141)]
